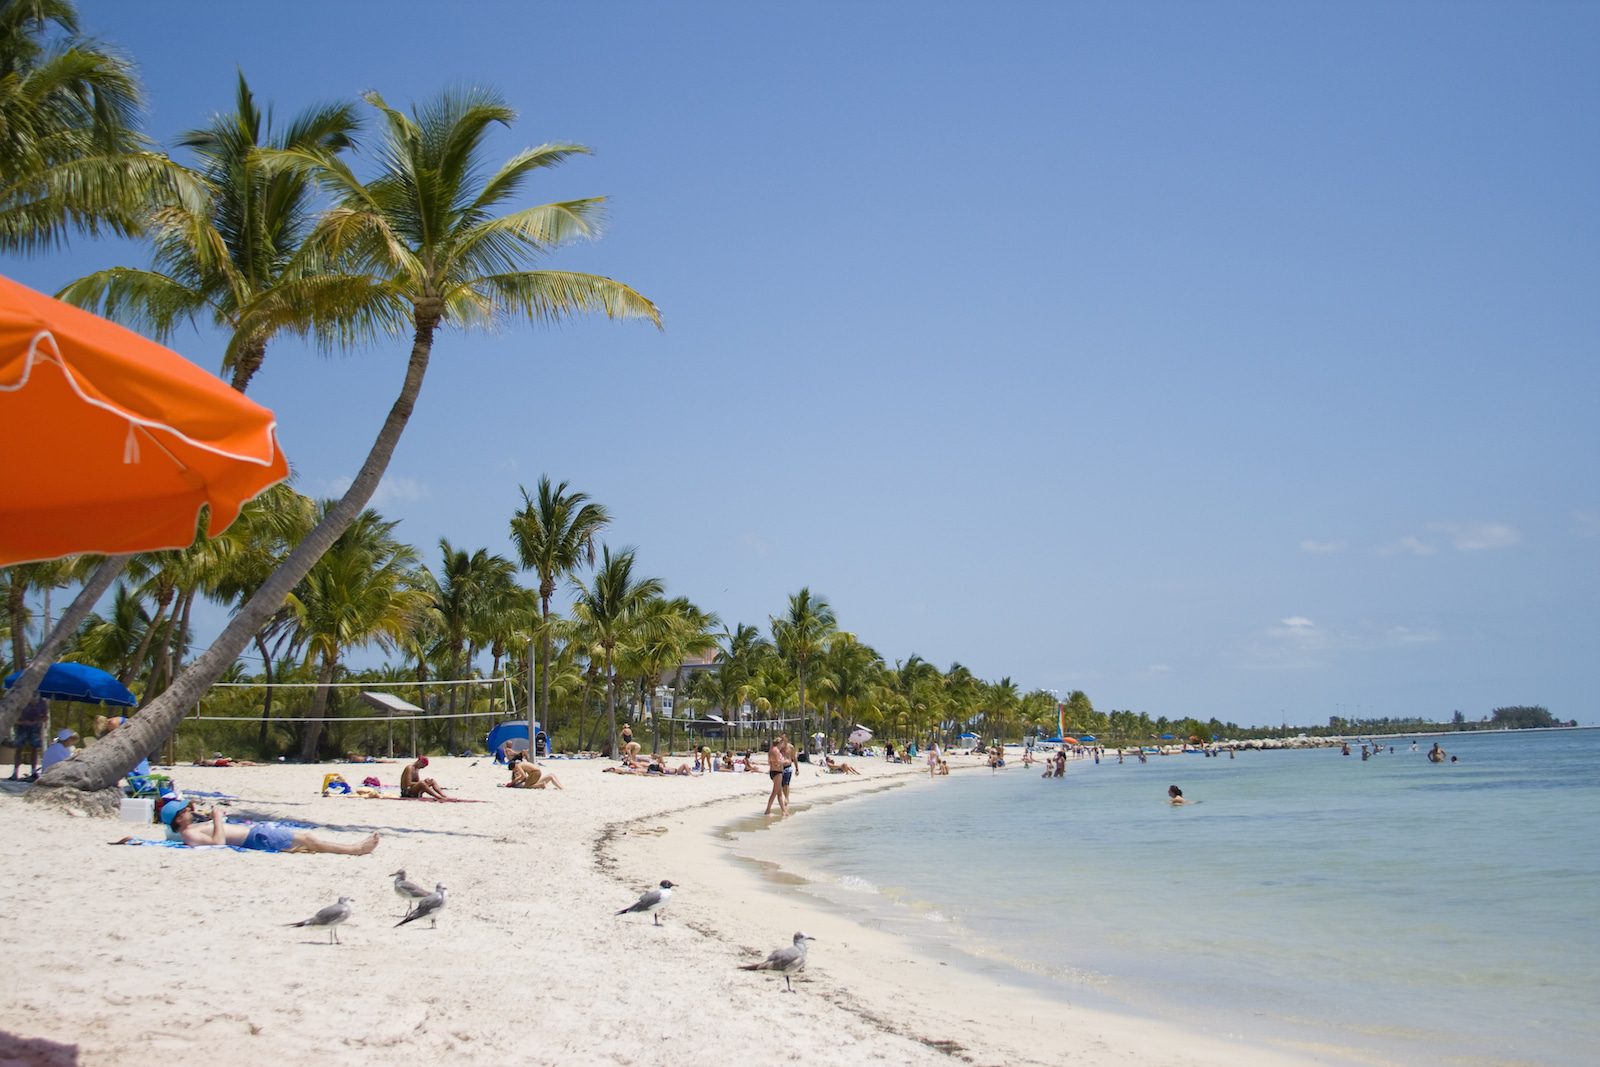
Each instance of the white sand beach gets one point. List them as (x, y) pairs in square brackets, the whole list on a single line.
[(118, 954)]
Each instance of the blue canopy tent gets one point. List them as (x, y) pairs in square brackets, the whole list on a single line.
[(512, 730), (1086, 738)]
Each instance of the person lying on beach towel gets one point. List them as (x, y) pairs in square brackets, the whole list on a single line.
[(413, 785), (265, 837), (838, 768)]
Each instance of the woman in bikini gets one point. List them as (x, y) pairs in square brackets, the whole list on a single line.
[(775, 768)]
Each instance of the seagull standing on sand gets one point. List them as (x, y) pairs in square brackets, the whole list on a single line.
[(786, 961), (652, 902), (428, 908), (331, 917), (408, 891)]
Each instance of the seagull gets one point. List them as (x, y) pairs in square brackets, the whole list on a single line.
[(652, 902), (408, 891), (428, 908), (786, 961), (331, 917)]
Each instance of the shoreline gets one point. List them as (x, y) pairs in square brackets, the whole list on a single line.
[(117, 953), (936, 995)]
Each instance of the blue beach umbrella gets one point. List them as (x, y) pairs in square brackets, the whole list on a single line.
[(81, 683), (1088, 737), (1166, 737), (968, 737)]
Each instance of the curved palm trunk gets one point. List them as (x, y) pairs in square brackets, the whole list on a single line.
[(17, 697), (142, 653), (91, 778), (611, 704), (17, 609)]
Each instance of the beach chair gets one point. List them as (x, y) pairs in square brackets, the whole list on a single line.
[(143, 782)]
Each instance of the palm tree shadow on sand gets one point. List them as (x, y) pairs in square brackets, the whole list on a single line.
[(36, 1051)]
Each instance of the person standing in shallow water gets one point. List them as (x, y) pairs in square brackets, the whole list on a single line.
[(1175, 795), (775, 762)]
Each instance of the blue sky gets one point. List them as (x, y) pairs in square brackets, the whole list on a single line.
[(1225, 359)]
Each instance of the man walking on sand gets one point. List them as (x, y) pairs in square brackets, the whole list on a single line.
[(790, 767), (775, 772)]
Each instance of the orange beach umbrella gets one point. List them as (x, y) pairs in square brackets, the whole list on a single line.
[(110, 443)]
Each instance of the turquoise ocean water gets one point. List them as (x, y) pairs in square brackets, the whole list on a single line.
[(1413, 912)]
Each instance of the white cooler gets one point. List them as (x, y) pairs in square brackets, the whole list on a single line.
[(140, 809)]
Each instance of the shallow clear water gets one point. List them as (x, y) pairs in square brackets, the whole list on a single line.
[(1422, 913)]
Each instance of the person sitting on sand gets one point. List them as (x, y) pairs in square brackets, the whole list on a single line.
[(726, 763), (266, 837), (838, 768), (1175, 795), (944, 766), (525, 775), (413, 785), (62, 749)]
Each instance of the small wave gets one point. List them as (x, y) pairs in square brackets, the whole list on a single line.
[(858, 885)]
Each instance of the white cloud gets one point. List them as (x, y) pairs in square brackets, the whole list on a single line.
[(1155, 670), (390, 490), (1408, 545), (1321, 548), (1299, 643), (1478, 536)]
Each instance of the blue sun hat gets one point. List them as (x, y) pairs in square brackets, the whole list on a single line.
[(171, 808)]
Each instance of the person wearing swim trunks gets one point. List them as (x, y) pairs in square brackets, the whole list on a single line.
[(775, 771), (413, 785), (790, 756), (263, 837)]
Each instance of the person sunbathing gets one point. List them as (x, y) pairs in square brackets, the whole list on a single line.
[(219, 760), (726, 763), (265, 837), (524, 775), (839, 768), (412, 785)]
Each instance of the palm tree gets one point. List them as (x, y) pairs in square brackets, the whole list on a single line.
[(361, 591), (425, 232), (235, 253), (240, 259), (801, 635), (607, 605), (71, 157), (738, 661), (459, 591), (552, 536), (847, 675)]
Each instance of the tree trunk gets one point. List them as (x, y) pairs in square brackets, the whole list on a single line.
[(544, 662), (610, 699), (97, 769), (18, 696), (247, 363), (266, 703), (17, 609), (319, 708)]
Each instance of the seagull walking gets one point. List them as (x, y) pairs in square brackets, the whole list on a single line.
[(428, 908), (652, 902), (409, 892), (786, 961), (330, 916)]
